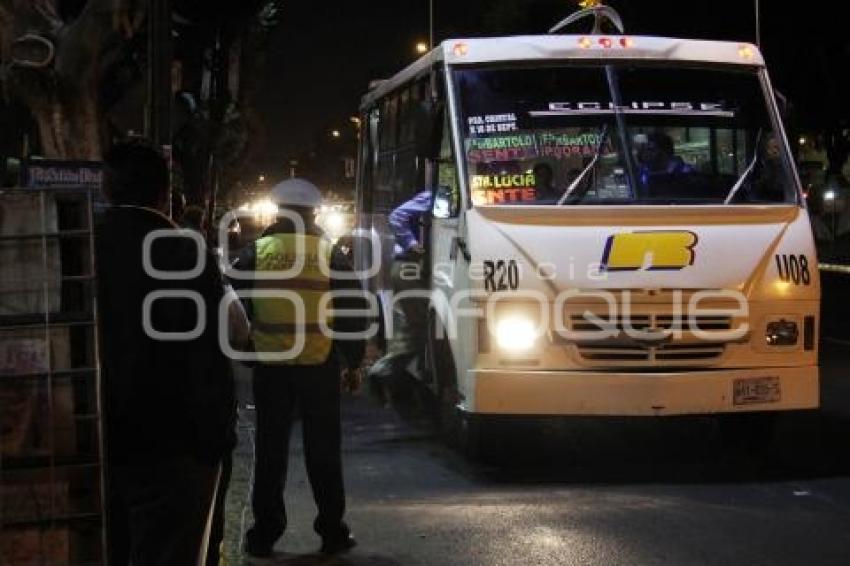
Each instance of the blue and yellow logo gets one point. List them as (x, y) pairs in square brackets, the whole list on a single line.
[(652, 250)]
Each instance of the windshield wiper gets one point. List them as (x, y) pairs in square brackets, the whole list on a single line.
[(603, 136), (740, 182)]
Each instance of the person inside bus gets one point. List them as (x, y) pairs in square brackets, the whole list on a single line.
[(544, 184), (659, 162), (771, 182), (407, 275)]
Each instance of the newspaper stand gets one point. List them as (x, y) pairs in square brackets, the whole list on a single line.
[(51, 436)]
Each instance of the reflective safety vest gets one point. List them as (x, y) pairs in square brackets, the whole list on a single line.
[(275, 326)]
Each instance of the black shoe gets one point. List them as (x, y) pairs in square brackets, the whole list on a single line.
[(337, 545)]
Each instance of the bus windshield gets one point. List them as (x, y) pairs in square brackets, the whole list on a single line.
[(620, 134)]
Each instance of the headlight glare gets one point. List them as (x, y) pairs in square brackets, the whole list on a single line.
[(516, 334)]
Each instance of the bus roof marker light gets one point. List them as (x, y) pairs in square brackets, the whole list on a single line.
[(460, 49), (585, 43), (627, 42), (606, 42), (746, 52)]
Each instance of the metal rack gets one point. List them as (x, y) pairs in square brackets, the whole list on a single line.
[(51, 429)]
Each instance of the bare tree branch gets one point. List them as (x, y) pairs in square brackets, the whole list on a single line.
[(39, 14), (48, 11), (98, 24)]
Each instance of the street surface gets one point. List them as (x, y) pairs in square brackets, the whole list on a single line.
[(638, 492)]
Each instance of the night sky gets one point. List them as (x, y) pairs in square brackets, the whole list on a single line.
[(324, 54)]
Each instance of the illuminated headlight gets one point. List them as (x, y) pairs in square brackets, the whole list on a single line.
[(264, 210), (782, 333), (335, 222), (516, 334)]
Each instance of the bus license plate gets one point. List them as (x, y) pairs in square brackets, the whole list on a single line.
[(756, 390)]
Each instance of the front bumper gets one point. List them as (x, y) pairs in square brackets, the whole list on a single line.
[(520, 392)]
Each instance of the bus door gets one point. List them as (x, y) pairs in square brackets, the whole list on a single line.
[(449, 254)]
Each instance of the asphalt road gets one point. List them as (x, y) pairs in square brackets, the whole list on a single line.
[(643, 491)]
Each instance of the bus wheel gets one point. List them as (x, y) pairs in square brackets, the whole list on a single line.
[(479, 438), (474, 436), (748, 435)]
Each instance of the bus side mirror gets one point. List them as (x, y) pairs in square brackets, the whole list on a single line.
[(446, 203), (429, 129)]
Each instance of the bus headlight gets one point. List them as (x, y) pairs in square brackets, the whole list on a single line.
[(516, 334), (782, 333)]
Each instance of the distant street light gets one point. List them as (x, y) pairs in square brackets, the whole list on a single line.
[(422, 48), (336, 134), (262, 178)]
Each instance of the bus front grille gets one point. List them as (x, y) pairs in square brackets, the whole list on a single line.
[(667, 354), (582, 323), (649, 339)]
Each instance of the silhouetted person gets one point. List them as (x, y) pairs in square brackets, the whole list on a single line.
[(544, 179), (169, 405), (658, 159)]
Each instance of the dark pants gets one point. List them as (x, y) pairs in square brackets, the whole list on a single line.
[(315, 392), (409, 329), (159, 513)]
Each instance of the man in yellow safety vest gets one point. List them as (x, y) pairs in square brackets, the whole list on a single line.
[(299, 364)]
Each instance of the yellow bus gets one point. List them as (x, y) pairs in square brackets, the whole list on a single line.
[(617, 227)]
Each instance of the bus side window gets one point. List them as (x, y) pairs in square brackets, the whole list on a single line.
[(406, 182), (368, 161), (407, 177), (385, 156), (447, 196)]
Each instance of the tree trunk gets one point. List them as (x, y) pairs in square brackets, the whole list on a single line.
[(69, 126), (62, 91)]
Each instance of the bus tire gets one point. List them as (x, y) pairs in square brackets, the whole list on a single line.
[(480, 438), (474, 436)]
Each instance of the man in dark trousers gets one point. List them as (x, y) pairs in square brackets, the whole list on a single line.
[(309, 379), (409, 314), (169, 401)]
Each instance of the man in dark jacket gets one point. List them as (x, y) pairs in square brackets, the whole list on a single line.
[(169, 400), (289, 258)]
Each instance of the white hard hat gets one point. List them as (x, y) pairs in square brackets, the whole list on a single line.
[(297, 192)]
